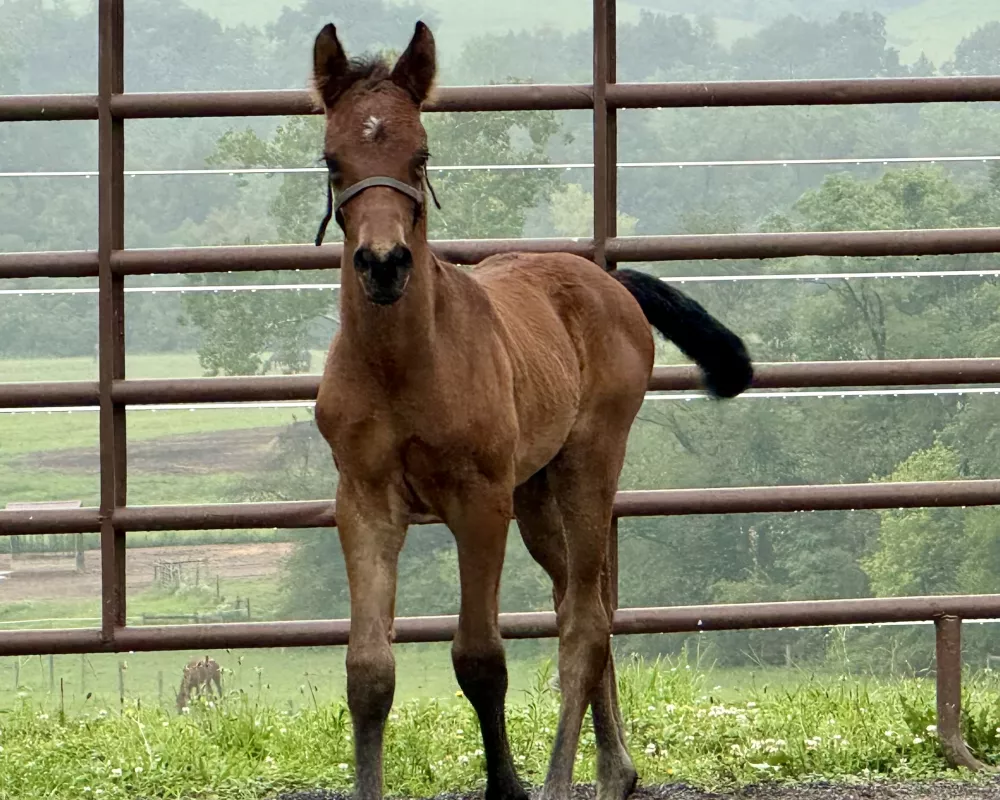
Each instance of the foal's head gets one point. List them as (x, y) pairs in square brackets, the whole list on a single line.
[(373, 131)]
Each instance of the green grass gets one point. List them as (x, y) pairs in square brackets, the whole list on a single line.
[(935, 27), (247, 746), (138, 365)]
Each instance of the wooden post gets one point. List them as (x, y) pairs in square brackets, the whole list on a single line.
[(83, 673), (62, 703), (248, 608), (52, 673), (17, 674), (121, 684), (159, 687), (218, 589)]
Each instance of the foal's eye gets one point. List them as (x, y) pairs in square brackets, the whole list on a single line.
[(332, 165)]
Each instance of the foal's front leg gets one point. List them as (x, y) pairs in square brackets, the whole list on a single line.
[(371, 535), (479, 521)]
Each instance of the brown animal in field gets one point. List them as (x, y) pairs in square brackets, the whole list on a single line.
[(477, 398), (199, 675)]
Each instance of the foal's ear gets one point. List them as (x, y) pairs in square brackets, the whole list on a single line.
[(416, 68), (330, 66)]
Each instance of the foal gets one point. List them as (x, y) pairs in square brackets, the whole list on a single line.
[(507, 393)]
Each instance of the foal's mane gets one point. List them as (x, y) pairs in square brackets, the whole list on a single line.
[(368, 70)]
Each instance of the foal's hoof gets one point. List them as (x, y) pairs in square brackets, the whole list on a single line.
[(620, 786), (506, 793), (506, 790)]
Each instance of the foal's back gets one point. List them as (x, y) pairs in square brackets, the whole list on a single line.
[(572, 308)]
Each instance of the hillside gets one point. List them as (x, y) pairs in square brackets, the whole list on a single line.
[(937, 26)]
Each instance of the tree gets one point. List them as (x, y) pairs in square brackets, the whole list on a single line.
[(978, 53)]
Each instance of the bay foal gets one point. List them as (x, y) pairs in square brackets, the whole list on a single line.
[(479, 398)]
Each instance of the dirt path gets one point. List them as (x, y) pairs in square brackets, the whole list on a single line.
[(944, 790), (43, 578)]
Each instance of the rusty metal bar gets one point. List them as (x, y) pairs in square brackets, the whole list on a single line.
[(794, 375), (868, 244), (533, 625), (810, 374), (29, 523), (64, 264), (666, 502), (36, 108), (111, 310), (526, 97), (276, 257), (948, 640), (733, 246), (863, 91), (606, 191), (521, 97), (54, 394)]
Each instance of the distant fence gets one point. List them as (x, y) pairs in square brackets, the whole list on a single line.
[(112, 393)]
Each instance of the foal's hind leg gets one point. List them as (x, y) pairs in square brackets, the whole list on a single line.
[(541, 525), (583, 479)]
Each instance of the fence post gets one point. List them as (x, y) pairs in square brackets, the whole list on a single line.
[(121, 684), (52, 673), (159, 687), (111, 309), (948, 632)]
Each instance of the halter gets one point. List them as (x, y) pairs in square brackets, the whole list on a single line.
[(333, 207)]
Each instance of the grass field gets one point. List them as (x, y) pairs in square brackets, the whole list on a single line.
[(935, 27), (679, 729)]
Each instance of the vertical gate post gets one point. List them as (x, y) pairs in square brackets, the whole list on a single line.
[(948, 632), (606, 187), (111, 309)]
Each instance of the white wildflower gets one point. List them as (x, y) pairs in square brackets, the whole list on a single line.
[(116, 772), (670, 708), (342, 767), (138, 770), (650, 748), (917, 740), (463, 759), (932, 728)]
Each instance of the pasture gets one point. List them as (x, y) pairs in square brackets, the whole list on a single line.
[(680, 726)]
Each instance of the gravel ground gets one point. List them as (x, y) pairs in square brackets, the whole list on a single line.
[(943, 790)]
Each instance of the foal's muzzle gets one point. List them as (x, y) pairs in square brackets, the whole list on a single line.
[(384, 276)]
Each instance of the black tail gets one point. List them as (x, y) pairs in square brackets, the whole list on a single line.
[(711, 345)]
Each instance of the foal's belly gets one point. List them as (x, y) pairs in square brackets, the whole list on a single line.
[(540, 441)]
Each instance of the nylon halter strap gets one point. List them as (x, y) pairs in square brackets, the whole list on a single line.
[(333, 206)]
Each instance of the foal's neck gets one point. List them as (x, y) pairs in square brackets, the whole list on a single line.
[(395, 342)]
